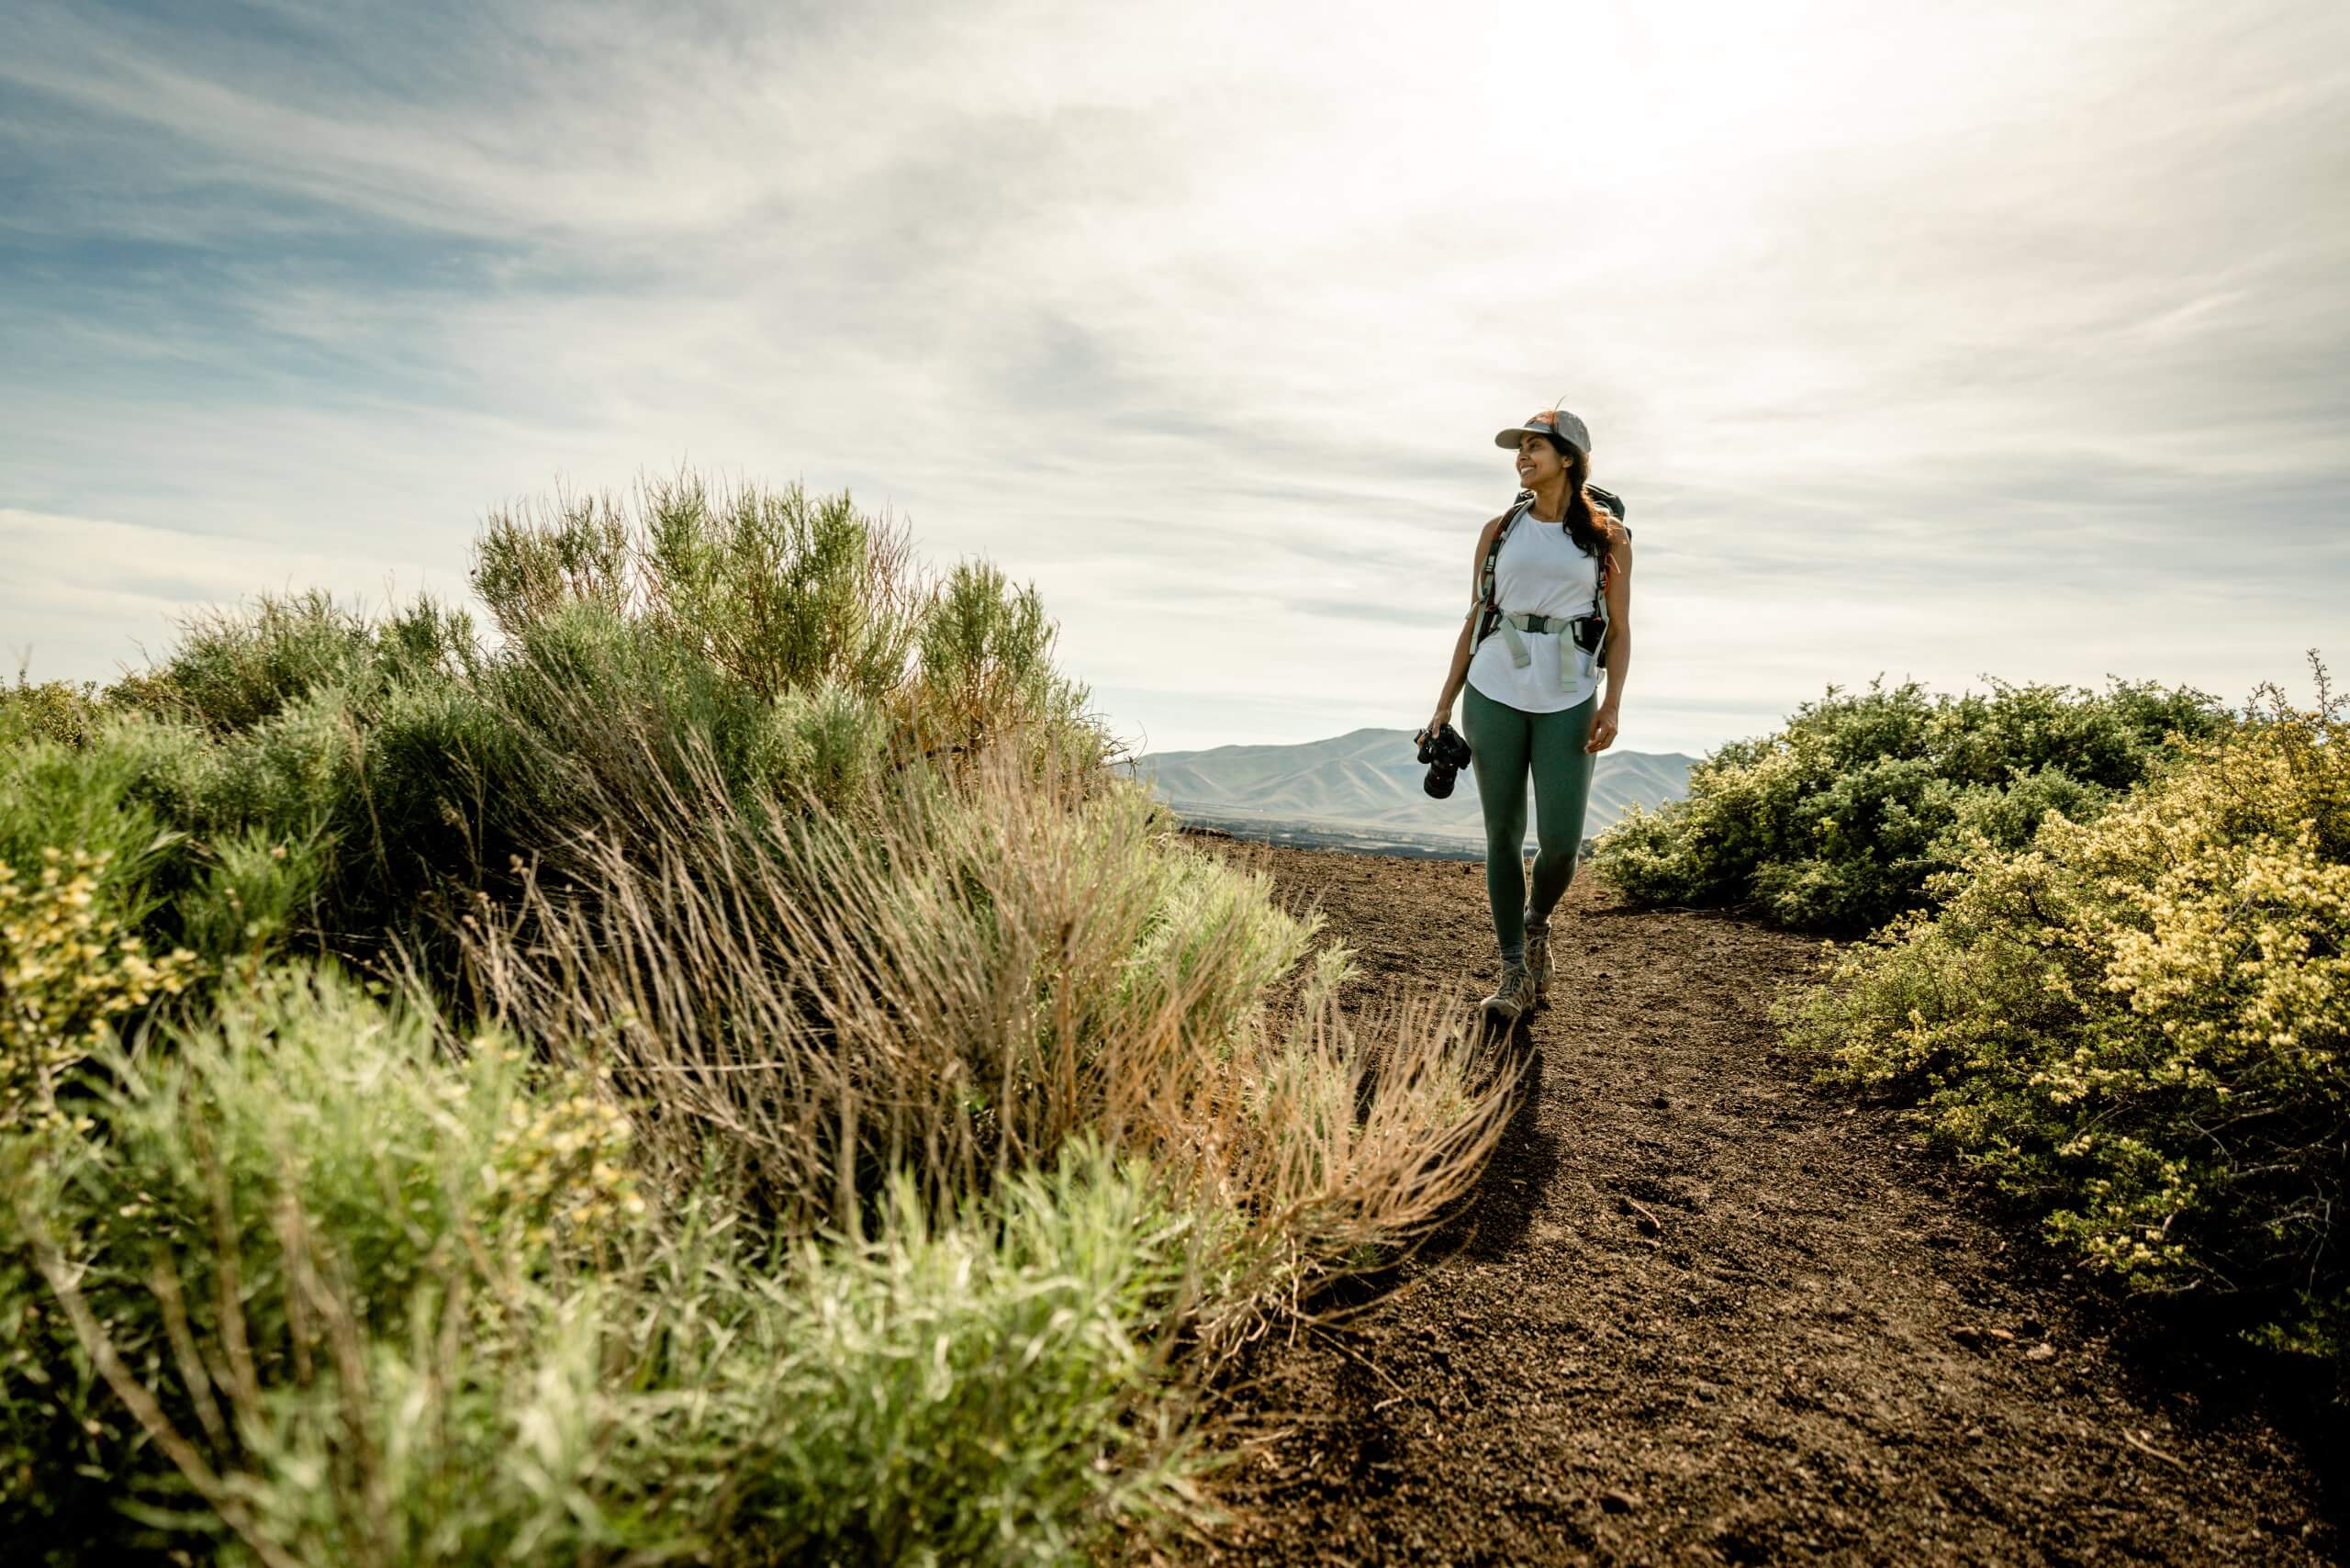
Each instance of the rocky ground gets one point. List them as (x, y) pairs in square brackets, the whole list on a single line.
[(1701, 1310)]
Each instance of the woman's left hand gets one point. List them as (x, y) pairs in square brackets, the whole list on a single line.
[(1603, 731)]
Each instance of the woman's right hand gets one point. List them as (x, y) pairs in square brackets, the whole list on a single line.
[(1443, 717)]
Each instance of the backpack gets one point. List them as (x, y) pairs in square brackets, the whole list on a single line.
[(1490, 613)]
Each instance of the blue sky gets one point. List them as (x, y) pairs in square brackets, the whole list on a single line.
[(1945, 341)]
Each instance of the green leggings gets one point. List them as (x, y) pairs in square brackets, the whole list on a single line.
[(1502, 742)]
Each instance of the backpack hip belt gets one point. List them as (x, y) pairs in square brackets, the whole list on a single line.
[(1568, 629)]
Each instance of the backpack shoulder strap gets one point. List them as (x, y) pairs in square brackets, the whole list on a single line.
[(1489, 611), (1613, 503)]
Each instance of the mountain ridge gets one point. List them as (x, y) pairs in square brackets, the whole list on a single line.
[(1370, 779)]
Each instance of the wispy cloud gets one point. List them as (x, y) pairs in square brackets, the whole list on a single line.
[(2002, 339)]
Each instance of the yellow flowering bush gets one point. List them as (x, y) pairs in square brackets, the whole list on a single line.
[(2141, 1023), (68, 971), (52, 711), (559, 1166), (303, 1124)]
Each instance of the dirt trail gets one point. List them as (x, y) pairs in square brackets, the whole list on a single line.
[(1701, 1310)]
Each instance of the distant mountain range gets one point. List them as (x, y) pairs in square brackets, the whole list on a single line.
[(1367, 783)]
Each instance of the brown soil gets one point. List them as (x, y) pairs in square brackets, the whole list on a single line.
[(1701, 1310)]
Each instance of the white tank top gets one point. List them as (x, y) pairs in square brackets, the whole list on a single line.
[(1542, 571)]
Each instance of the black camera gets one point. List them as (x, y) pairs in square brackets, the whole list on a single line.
[(1446, 754)]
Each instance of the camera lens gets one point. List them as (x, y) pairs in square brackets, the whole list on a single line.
[(1446, 754)]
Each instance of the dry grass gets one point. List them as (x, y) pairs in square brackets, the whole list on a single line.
[(958, 987)]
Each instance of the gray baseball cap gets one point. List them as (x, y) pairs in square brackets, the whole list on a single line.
[(1549, 421)]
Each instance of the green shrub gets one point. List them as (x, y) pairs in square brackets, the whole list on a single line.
[(987, 665), (826, 741), (225, 846), (2139, 1024), (295, 771), (308, 1106), (777, 590), (325, 780), (1838, 822), (52, 794), (69, 971), (314, 1290), (255, 893), (895, 1122), (242, 786), (781, 591), (971, 1391), (449, 787), (233, 670), (50, 710)]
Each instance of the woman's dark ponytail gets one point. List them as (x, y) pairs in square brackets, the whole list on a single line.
[(1592, 529)]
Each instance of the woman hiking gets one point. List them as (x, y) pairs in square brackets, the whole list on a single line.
[(1551, 604)]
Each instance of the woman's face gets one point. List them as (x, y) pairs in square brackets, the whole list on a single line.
[(1538, 461)]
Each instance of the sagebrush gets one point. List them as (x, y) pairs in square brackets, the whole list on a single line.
[(1838, 821), (2140, 1024), (715, 1068)]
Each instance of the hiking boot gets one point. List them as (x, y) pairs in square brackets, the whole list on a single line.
[(1512, 997), (1537, 962)]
